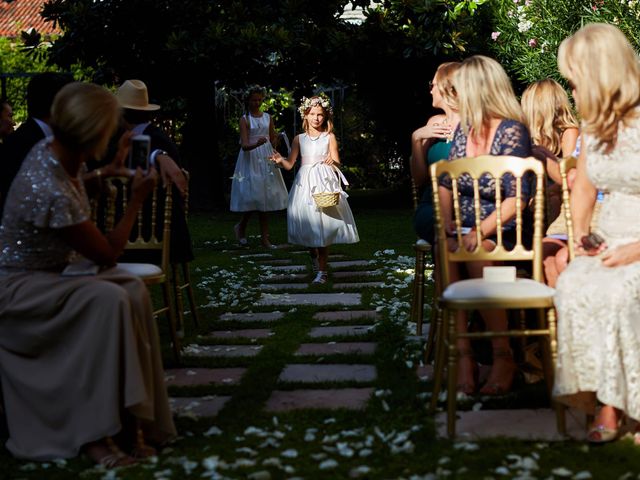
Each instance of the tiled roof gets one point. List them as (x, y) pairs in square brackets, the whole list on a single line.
[(21, 15)]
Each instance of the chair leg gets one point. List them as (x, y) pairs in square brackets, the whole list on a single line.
[(177, 295), (417, 303), (452, 373), (186, 276), (549, 358), (431, 346), (439, 360), (172, 322)]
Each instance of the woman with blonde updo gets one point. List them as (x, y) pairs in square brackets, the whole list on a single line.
[(597, 295), (554, 134), (491, 122), (79, 351)]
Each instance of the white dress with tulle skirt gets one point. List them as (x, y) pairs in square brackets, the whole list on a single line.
[(257, 182), (308, 224)]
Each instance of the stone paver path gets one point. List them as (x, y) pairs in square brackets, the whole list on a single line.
[(280, 277)]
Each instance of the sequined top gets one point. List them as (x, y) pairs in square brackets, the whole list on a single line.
[(42, 200)]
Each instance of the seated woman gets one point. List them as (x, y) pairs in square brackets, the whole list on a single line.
[(554, 133), (434, 138), (79, 355), (491, 122), (597, 295)]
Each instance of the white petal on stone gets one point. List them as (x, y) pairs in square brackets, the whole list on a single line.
[(477, 407), (328, 464), (562, 472), (191, 373)]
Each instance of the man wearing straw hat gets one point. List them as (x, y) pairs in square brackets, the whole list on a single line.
[(137, 114)]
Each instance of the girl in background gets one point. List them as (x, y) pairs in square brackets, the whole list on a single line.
[(308, 224), (257, 185)]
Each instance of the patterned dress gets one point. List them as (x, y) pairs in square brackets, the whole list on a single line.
[(511, 138), (599, 307)]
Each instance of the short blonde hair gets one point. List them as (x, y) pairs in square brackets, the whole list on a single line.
[(603, 67), (484, 92), (548, 113), (444, 80), (84, 116)]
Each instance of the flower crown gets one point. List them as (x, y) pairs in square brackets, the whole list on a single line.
[(320, 100)]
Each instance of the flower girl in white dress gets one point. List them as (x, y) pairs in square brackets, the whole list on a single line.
[(257, 184), (309, 224)]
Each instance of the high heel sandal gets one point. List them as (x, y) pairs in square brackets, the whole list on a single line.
[(468, 388), (114, 459), (500, 388), (141, 450), (599, 434)]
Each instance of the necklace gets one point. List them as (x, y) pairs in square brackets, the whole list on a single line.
[(313, 139)]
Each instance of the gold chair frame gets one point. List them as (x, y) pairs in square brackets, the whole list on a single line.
[(446, 341), (183, 267), (116, 198), (567, 164)]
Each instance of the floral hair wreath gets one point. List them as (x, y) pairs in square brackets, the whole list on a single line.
[(318, 100)]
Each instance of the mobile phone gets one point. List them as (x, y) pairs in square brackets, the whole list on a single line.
[(591, 241), (139, 151)]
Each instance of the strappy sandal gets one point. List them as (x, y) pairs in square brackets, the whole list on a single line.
[(465, 387), (321, 278), (599, 434), (142, 451), (500, 388), (116, 458)]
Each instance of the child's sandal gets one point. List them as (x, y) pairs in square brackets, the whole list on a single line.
[(141, 450)]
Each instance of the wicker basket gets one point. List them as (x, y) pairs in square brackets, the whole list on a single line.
[(326, 199)]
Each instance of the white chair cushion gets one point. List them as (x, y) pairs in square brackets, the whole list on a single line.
[(477, 288), (141, 270)]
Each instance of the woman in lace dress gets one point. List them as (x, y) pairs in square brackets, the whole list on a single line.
[(491, 122), (597, 297), (79, 355)]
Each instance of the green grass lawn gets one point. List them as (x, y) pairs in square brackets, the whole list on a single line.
[(393, 438)]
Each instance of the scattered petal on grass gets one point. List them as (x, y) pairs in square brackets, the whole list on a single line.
[(309, 437), (260, 475), (272, 462), (247, 450), (502, 471), (328, 464), (291, 453), (466, 446), (318, 456), (212, 431), (365, 452), (444, 460), (359, 471), (562, 472), (583, 475)]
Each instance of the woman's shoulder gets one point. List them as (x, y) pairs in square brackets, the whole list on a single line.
[(439, 118)]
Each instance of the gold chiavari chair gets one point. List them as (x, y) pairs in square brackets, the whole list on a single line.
[(566, 165), (151, 236), (477, 294), (183, 268)]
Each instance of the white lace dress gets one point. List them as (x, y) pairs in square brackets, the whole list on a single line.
[(308, 224), (599, 307), (257, 182)]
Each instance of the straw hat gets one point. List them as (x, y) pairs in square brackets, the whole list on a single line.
[(132, 94)]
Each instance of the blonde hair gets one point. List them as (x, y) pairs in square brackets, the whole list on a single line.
[(484, 92), (603, 67), (316, 101), (84, 116), (444, 80), (548, 113)]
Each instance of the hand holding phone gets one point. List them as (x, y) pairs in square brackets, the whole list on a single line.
[(139, 151)]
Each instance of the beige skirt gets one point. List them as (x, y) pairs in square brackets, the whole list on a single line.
[(74, 352)]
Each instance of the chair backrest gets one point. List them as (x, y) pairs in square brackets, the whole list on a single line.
[(566, 164), (152, 229), (496, 167)]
